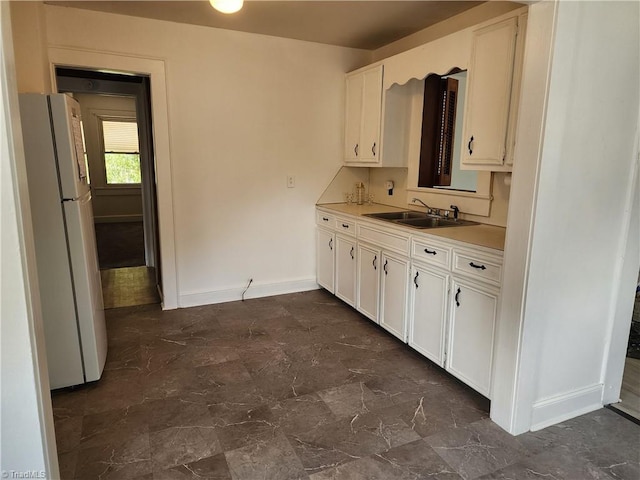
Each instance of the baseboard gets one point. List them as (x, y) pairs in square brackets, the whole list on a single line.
[(550, 411), (257, 290), (117, 218)]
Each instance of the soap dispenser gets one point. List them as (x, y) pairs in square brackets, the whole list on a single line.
[(359, 193)]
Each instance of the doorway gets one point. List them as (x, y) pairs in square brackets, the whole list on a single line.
[(630, 391), (119, 154)]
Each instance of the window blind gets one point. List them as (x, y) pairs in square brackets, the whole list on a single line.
[(120, 137)]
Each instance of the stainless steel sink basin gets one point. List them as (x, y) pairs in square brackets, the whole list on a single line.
[(397, 215), (434, 222), (419, 219)]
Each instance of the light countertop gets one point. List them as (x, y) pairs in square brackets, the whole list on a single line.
[(488, 236)]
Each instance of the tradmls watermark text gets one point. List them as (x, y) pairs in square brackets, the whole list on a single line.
[(25, 474)]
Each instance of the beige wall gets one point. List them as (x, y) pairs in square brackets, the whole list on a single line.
[(245, 111), (30, 46)]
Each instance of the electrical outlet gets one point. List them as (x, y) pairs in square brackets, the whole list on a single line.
[(291, 181)]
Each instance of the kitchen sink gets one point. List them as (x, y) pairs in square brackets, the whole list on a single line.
[(419, 220), (434, 222), (392, 216)]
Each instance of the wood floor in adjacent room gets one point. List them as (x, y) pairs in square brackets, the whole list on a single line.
[(126, 287), (630, 392)]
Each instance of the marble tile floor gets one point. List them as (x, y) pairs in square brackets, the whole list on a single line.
[(301, 386)]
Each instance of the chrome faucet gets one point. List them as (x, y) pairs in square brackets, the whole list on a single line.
[(423, 204)]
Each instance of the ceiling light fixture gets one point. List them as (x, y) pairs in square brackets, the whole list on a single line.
[(227, 6)]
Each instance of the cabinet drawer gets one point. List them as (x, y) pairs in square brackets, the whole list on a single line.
[(344, 226), (477, 266), (390, 241), (325, 219), (433, 253)]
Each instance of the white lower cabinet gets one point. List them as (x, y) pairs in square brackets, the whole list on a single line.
[(368, 281), (428, 313), (471, 331), (395, 275), (325, 261), (440, 297), (346, 269)]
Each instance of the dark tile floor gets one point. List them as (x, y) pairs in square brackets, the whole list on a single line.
[(302, 387)]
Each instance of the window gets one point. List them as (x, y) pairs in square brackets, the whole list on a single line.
[(442, 116), (121, 152)]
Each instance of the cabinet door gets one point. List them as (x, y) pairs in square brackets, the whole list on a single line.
[(428, 314), (368, 281), (325, 241), (489, 81), (363, 116), (346, 269), (471, 331), (353, 117), (395, 275), (371, 115)]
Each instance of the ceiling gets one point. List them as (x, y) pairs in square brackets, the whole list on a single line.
[(357, 24)]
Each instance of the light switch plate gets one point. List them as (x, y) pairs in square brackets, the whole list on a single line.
[(291, 181)]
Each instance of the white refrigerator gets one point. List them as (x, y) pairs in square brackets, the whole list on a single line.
[(66, 254)]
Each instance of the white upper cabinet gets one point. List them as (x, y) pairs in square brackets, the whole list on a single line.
[(488, 109), (363, 115)]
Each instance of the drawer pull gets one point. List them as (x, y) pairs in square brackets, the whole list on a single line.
[(385, 266), (352, 256), (415, 279), (325, 219), (375, 259), (344, 225), (469, 145), (430, 252), (457, 295), (480, 267), (331, 243)]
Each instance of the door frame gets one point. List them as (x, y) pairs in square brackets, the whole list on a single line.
[(139, 92), (156, 71)]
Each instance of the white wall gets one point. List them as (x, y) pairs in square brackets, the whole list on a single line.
[(245, 111), (27, 436), (576, 229)]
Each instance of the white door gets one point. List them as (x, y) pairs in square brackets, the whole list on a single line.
[(489, 81), (325, 258), (395, 274), (353, 117), (368, 281), (87, 285), (346, 269), (471, 331), (428, 315), (371, 114)]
